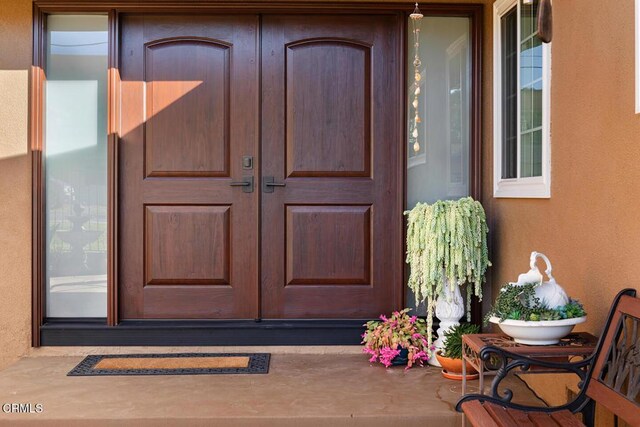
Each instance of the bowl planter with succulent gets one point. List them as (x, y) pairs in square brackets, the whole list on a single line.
[(524, 317), (397, 340), (450, 356)]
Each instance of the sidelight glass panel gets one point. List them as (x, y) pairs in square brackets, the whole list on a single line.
[(440, 168), (76, 165)]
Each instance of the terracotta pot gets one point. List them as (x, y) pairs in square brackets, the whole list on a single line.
[(452, 368)]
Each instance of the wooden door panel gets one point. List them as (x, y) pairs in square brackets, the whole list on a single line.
[(342, 234), (332, 102), (191, 302), (187, 79), (187, 245), (328, 119), (189, 114)]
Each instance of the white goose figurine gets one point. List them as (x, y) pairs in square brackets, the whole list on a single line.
[(550, 293)]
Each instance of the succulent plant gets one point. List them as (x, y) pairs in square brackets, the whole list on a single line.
[(518, 302), (453, 339), (446, 243)]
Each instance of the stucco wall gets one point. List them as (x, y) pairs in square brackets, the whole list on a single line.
[(589, 227), (15, 180)]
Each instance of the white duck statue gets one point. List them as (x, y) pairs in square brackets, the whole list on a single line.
[(550, 293)]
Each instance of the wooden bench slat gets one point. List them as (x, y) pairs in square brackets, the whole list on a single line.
[(492, 415), (566, 419), (477, 415), (520, 417), (500, 414), (540, 419)]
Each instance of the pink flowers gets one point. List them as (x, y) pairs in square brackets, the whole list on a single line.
[(387, 354), (385, 339), (421, 355)]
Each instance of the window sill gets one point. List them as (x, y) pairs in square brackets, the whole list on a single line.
[(523, 188)]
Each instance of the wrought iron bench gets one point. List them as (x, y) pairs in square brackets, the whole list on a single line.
[(610, 377)]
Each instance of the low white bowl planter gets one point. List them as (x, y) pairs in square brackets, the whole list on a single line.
[(543, 332)]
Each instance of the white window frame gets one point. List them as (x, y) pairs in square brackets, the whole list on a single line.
[(637, 14), (529, 187)]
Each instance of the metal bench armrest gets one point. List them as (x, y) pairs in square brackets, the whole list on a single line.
[(509, 361)]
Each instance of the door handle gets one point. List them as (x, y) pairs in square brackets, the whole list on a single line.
[(246, 184), (268, 182)]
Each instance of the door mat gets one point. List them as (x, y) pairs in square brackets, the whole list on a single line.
[(173, 364)]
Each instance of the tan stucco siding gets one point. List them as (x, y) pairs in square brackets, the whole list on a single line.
[(590, 227), (15, 180)]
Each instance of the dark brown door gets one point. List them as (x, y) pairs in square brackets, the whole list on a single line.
[(189, 113), (331, 133)]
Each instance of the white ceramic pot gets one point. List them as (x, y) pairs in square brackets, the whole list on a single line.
[(544, 332)]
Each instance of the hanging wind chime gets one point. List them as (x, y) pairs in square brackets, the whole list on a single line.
[(415, 16)]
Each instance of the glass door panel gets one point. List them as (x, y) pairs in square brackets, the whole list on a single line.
[(76, 165), (438, 158)]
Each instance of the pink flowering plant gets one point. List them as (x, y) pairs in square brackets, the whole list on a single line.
[(384, 339)]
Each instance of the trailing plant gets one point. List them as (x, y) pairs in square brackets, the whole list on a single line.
[(384, 339), (519, 302), (453, 339), (446, 240)]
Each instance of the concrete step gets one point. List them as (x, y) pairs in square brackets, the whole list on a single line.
[(300, 390)]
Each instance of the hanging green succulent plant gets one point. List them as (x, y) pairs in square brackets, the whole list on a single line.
[(446, 240)]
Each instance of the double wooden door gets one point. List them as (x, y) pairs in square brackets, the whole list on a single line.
[(260, 166)]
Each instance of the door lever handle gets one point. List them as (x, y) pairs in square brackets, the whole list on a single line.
[(268, 182), (246, 184)]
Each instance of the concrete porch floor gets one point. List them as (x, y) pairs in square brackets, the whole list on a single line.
[(335, 389)]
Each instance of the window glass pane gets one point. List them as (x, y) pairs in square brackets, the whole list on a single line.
[(526, 150), (536, 153), (530, 92), (509, 54), (76, 165), (440, 168)]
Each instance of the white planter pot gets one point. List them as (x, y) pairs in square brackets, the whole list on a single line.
[(544, 332), (449, 310)]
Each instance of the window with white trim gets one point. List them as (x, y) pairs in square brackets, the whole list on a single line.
[(522, 76)]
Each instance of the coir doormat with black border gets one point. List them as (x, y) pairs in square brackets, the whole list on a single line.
[(173, 364)]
